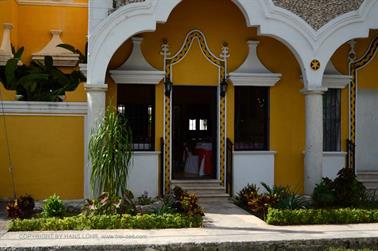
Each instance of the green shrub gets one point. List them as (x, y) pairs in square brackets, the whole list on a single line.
[(186, 203), (144, 199), (21, 207), (258, 204), (53, 207), (321, 216), (324, 194), (349, 191), (82, 222), (344, 191), (110, 204), (243, 196), (286, 198)]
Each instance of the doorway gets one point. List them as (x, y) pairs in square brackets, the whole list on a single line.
[(194, 135)]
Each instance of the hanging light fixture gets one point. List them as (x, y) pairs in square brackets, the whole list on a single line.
[(223, 87), (121, 109), (168, 87)]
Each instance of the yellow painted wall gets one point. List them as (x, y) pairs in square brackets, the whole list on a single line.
[(32, 25), (47, 151), (221, 21), (47, 155)]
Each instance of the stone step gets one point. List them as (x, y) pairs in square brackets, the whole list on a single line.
[(203, 188)]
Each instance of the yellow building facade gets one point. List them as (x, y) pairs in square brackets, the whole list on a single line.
[(46, 148)]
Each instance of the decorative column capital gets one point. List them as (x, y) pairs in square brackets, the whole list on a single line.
[(314, 91), (96, 87)]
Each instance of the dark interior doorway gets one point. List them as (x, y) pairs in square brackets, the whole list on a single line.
[(194, 135)]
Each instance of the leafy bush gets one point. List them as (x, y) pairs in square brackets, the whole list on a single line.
[(321, 216), (349, 191), (110, 154), (21, 207), (110, 204), (242, 197), (344, 191), (324, 194), (53, 207), (144, 199), (186, 203), (258, 204), (38, 81), (82, 222), (286, 197)]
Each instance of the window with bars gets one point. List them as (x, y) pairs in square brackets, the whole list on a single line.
[(137, 102), (332, 120), (251, 118)]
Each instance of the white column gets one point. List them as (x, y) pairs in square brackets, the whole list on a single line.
[(96, 95), (313, 162)]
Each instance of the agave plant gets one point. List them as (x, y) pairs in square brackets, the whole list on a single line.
[(110, 154), (39, 81)]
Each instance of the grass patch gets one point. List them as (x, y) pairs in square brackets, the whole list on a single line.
[(81, 222), (321, 216)]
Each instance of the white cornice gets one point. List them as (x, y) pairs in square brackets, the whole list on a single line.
[(36, 107), (136, 69), (61, 56), (137, 77), (252, 72), (333, 78), (67, 3)]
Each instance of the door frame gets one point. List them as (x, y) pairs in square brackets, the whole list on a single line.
[(217, 127)]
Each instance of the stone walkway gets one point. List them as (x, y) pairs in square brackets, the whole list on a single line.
[(227, 227), (3, 218)]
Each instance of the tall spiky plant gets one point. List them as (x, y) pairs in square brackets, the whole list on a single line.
[(110, 154)]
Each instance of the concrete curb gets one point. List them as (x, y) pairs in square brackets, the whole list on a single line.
[(314, 244)]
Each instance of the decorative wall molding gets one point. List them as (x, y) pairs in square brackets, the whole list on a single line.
[(35, 108), (6, 46), (252, 72), (61, 56), (254, 152), (333, 78), (68, 3), (136, 69)]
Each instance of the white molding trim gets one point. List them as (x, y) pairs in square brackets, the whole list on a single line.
[(83, 69), (255, 152), (254, 79), (61, 56), (136, 69), (334, 153), (96, 87), (137, 77), (145, 153), (67, 3), (333, 78), (252, 72), (45, 108)]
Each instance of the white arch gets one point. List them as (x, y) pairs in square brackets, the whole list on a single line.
[(112, 32), (305, 42)]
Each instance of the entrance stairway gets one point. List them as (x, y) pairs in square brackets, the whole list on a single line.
[(369, 179), (206, 190)]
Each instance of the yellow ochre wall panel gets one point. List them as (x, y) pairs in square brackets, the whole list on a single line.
[(47, 154), (32, 25)]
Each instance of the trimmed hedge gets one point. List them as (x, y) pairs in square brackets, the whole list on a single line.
[(81, 222), (321, 216)]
